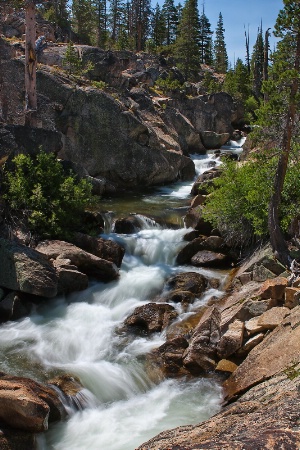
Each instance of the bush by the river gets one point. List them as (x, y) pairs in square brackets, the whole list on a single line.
[(239, 199), (50, 201)]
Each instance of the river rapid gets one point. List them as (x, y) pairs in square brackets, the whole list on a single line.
[(78, 334)]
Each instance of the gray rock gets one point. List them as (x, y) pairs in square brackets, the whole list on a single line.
[(87, 263), (27, 270)]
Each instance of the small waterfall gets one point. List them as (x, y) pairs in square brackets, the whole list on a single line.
[(80, 335)]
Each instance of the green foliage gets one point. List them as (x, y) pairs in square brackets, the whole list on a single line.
[(72, 62), (237, 81), (99, 84), (187, 43), (211, 83), (206, 56), (220, 52), (51, 201), (238, 203), (168, 84)]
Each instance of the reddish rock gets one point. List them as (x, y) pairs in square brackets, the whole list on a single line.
[(201, 354), (232, 340), (198, 200), (28, 405), (151, 318), (252, 342), (274, 288), (278, 351), (226, 366), (273, 317), (168, 358), (291, 297), (13, 439)]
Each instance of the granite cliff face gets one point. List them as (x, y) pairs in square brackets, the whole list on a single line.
[(122, 136)]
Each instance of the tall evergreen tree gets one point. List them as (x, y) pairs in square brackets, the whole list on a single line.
[(100, 7), (220, 52), (158, 27), (140, 15), (206, 56), (57, 12), (280, 114), (188, 41), (257, 64), (170, 16), (83, 13)]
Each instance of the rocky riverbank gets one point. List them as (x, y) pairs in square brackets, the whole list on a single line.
[(126, 133)]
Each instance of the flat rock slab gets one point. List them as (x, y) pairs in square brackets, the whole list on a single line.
[(278, 351), (273, 317), (26, 270), (265, 418)]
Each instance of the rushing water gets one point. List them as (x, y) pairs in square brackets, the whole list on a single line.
[(79, 335)]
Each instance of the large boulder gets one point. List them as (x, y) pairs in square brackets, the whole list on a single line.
[(168, 358), (188, 281), (277, 352), (103, 248), (201, 355), (207, 258), (151, 318), (86, 262), (28, 405), (27, 270), (213, 140)]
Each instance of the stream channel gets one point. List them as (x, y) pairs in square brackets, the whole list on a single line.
[(77, 335)]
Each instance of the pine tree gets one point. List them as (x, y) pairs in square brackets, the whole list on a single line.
[(220, 52), (237, 82), (170, 16), (100, 7), (205, 40), (57, 12), (158, 26), (140, 15), (188, 41), (257, 64), (280, 112), (83, 12)]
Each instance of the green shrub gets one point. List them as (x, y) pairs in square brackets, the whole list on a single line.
[(239, 199), (168, 84), (51, 201)]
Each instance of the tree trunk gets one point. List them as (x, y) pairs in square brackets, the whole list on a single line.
[(30, 65), (266, 61), (278, 242)]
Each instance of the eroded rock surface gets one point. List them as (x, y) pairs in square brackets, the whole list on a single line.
[(26, 270)]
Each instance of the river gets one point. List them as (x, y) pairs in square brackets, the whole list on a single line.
[(77, 335)]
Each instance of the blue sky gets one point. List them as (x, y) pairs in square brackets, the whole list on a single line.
[(236, 14)]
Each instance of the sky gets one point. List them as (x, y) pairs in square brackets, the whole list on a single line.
[(237, 14)]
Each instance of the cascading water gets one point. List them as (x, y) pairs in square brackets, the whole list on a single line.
[(79, 335)]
